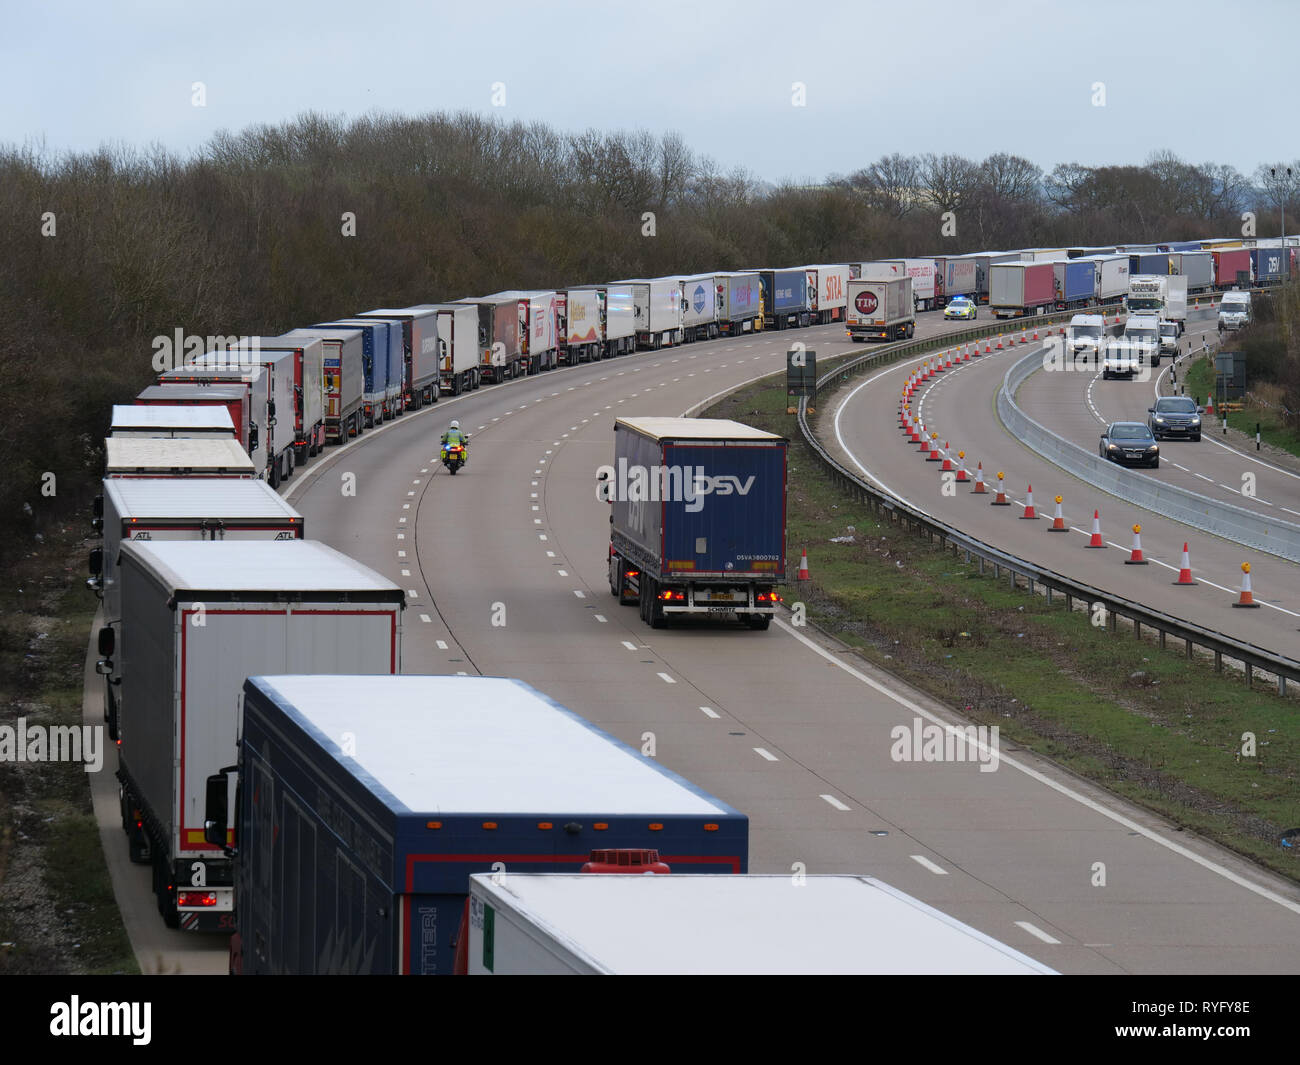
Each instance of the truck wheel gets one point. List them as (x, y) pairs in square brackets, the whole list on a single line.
[(911, 330), (759, 621), (137, 845), (275, 474)]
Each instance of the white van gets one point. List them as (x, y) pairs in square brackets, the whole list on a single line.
[(1142, 331), (1084, 335), (1234, 311)]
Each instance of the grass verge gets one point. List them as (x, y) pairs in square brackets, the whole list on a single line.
[(1272, 430), (1150, 725), (58, 913)]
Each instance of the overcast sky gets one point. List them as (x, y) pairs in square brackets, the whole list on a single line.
[(1022, 77)]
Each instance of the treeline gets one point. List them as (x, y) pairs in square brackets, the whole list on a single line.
[(280, 226)]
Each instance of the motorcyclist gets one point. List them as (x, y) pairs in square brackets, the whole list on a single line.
[(454, 436)]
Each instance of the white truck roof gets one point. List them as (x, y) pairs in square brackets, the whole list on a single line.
[(181, 391), (717, 924), (139, 416), (695, 429), (482, 745), (258, 567), (1088, 319), (136, 454), (183, 498)]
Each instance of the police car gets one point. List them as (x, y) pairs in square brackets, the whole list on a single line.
[(959, 307)]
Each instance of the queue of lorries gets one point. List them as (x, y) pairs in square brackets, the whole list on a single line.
[(243, 662)]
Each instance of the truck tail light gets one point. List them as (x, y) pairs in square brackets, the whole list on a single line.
[(196, 898)]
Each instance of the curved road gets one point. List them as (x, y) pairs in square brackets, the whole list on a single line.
[(505, 569)]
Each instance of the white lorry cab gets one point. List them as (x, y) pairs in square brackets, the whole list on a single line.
[(1234, 311)]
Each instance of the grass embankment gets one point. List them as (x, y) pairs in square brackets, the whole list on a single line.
[(57, 909), (1246, 414), (1148, 724)]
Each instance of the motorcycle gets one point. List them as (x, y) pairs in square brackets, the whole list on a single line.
[(453, 457)]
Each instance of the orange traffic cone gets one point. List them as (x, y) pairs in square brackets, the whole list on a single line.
[(987, 349), (1095, 540), (1185, 569), (1000, 500), (1029, 506), (965, 355), (947, 459), (934, 455), (1247, 599), (1136, 559), (961, 470), (803, 566), (1058, 522), (1209, 405), (1035, 335), (999, 348), (979, 488)]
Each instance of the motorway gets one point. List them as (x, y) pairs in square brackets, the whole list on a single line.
[(505, 567), (861, 426)]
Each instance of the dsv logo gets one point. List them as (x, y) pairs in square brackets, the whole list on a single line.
[(636, 484)]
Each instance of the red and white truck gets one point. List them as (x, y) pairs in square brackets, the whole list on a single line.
[(538, 322), (498, 337), (1021, 288), (201, 618), (332, 397), (268, 378), (233, 399)]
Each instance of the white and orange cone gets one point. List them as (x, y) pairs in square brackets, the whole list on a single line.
[(934, 455), (961, 470), (1247, 598), (1095, 539), (1000, 500), (1136, 559), (803, 566), (1058, 522), (947, 458), (979, 488), (1029, 505), (1185, 569)]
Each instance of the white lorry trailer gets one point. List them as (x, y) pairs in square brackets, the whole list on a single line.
[(201, 618), (589, 923), (458, 364), (657, 305), (177, 508), (164, 422), (880, 310), (830, 283), (135, 456), (699, 307), (600, 322)]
